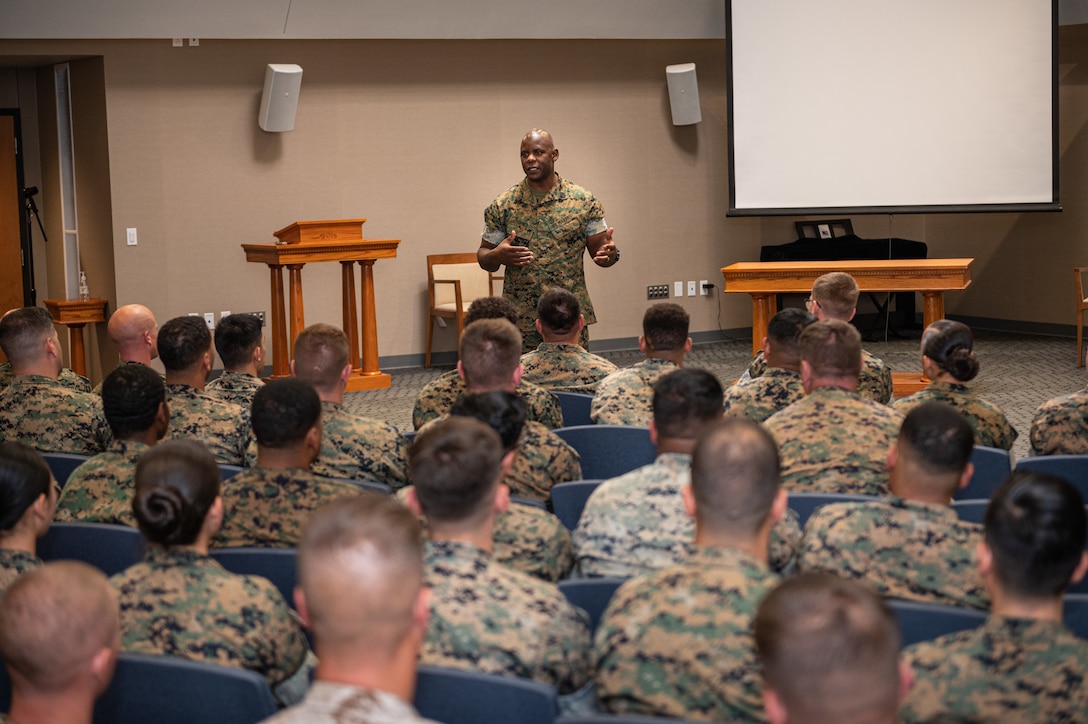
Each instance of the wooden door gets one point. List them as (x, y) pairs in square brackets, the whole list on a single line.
[(11, 208)]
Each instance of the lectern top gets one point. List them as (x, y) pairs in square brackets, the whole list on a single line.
[(320, 232)]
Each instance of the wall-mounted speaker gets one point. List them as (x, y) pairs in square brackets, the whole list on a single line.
[(280, 98), (683, 94)]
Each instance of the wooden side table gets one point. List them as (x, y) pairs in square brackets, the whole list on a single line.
[(76, 314)]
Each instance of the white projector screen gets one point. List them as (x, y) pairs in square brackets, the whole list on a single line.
[(892, 106)]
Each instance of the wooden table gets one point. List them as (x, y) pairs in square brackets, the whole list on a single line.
[(75, 314)]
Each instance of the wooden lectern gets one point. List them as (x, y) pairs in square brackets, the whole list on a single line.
[(75, 314), (342, 241)]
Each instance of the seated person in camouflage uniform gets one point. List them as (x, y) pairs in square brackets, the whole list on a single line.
[(100, 490), (28, 497), (911, 545), (835, 296), (353, 447), (678, 642), (267, 504), (36, 408), (58, 638), (185, 347), (757, 398), (829, 649), (484, 616), (636, 523), (180, 602), (240, 344), (436, 397), (1060, 425), (625, 396), (361, 594), (948, 359), (67, 377), (1022, 664), (559, 363), (134, 332), (833, 440)]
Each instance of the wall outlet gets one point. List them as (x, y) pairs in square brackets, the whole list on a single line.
[(655, 291), (130, 236), (691, 289), (209, 319), (224, 314), (260, 316), (704, 287), (678, 289)]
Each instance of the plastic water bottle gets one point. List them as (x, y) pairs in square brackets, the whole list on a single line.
[(84, 291)]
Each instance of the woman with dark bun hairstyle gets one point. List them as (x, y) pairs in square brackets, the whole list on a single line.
[(28, 499), (948, 359), (180, 602)]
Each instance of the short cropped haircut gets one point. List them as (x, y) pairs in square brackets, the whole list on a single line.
[(491, 308), (685, 401), (182, 341), (131, 396), (454, 465), (321, 353), (837, 294), (504, 412), (951, 347), (832, 348), (1035, 527), (558, 310), (283, 411), (490, 352), (176, 483), (784, 333), (24, 477), (22, 332), (735, 473), (939, 436), (829, 649), (236, 337), (665, 327)]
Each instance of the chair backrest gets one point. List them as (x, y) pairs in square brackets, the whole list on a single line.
[(925, 621), (575, 408), (453, 696), (618, 719), (1073, 468), (109, 548), (992, 466), (591, 595), (372, 486), (971, 511), (569, 500), (462, 267), (1075, 614), (275, 564), (804, 504), (609, 450), (531, 502), (62, 464), (226, 472)]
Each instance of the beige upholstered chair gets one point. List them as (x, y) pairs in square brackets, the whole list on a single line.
[(1082, 304), (454, 281)]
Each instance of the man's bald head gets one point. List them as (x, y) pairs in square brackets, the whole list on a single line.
[(539, 135), (134, 331)]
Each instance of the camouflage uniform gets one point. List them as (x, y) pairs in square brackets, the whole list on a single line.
[(181, 603), (67, 378), (636, 523), (98, 388), (13, 564), (678, 642), (556, 227), (488, 618), (360, 448), (834, 441), (437, 397), (236, 388), (50, 417), (874, 382), (329, 702), (760, 397), (1060, 426), (268, 506), (1007, 670), (564, 367), (991, 427), (223, 427), (903, 549), (100, 490), (626, 397)]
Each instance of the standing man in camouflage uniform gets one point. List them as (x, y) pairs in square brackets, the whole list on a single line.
[(678, 642), (352, 447), (485, 617), (268, 504), (36, 408), (1022, 664), (636, 523), (757, 398), (240, 344), (834, 440), (559, 363), (100, 490), (134, 332), (625, 397), (185, 347), (540, 229), (911, 545)]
